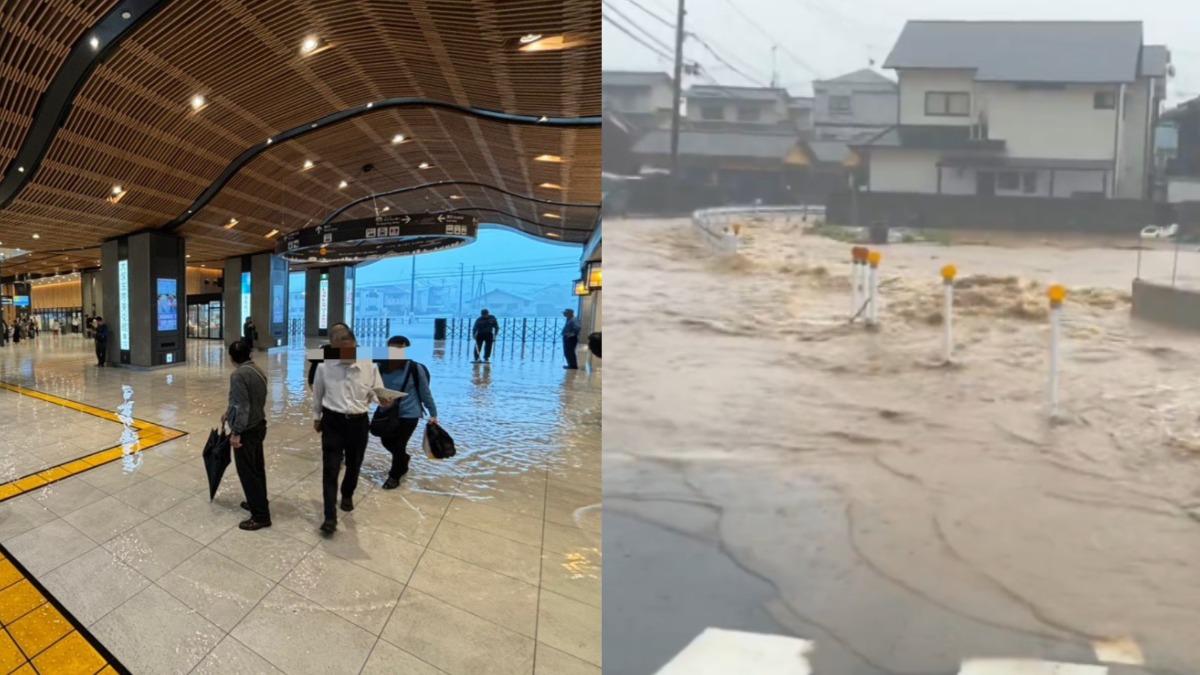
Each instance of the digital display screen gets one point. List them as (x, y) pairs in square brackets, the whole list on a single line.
[(277, 304), (349, 307), (20, 301), (323, 305), (167, 305), (245, 296), (123, 303)]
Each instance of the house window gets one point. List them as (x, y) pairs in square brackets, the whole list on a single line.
[(749, 113), (1008, 180), (947, 104), (1104, 100), (840, 105), (712, 112), (1029, 182)]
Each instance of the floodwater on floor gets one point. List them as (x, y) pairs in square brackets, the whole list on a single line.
[(905, 515), (487, 562)]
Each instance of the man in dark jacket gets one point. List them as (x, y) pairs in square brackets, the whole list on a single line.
[(247, 421), (570, 336), (101, 337), (486, 329), (249, 333)]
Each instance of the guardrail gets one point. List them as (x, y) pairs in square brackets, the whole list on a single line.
[(722, 226)]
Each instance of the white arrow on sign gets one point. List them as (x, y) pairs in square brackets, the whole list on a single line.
[(442, 218)]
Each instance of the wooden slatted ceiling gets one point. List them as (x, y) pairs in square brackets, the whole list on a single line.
[(35, 38), (131, 124)]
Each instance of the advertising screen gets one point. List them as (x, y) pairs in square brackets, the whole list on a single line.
[(123, 303), (323, 305), (21, 301), (167, 306), (277, 304), (245, 296), (349, 309)]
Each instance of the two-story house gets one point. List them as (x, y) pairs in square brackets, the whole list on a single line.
[(1037, 108), (854, 106), (744, 108), (642, 98)]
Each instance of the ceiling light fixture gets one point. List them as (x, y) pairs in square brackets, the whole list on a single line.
[(547, 43), (117, 194), (370, 105), (269, 141), (188, 255), (21, 169), (456, 197), (398, 139), (126, 15), (272, 233), (555, 216), (424, 165), (308, 164), (231, 224), (313, 44), (554, 235), (36, 235), (94, 42), (386, 209), (551, 186), (342, 185), (198, 102), (552, 159), (530, 38)]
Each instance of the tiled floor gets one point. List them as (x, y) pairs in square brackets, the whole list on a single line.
[(489, 562)]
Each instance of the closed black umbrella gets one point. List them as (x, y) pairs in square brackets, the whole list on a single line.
[(216, 460)]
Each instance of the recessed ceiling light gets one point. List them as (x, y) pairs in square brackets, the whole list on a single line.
[(126, 15), (370, 105), (36, 235), (94, 42), (398, 139), (386, 209), (530, 38), (548, 43), (21, 169), (188, 255), (311, 45), (272, 233), (231, 224), (424, 165), (553, 234), (342, 185), (456, 196), (552, 215), (543, 118), (308, 164), (551, 186), (553, 159), (198, 102)]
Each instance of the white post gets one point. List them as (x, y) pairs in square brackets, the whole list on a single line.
[(1057, 294), (855, 281), (873, 259), (948, 273)]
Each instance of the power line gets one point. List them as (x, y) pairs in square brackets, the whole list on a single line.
[(637, 39), (624, 17), (772, 38), (723, 60), (661, 20)]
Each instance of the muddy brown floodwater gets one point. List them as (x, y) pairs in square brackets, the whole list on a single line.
[(903, 515)]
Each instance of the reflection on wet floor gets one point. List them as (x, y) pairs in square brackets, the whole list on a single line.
[(905, 517), (488, 562)]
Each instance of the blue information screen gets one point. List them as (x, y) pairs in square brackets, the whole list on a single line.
[(167, 306)]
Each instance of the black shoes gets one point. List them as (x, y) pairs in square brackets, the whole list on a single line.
[(391, 483), (329, 526), (246, 505), (252, 524), (347, 504)]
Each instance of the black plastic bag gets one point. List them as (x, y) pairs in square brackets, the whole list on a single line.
[(594, 344), (438, 443)]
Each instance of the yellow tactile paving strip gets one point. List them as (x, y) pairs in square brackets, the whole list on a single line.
[(38, 635), (149, 435)]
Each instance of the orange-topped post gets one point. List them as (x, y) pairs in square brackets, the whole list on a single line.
[(948, 274), (873, 259), (1057, 294)]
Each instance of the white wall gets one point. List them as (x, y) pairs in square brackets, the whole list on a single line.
[(771, 112), (1051, 124), (915, 83), (895, 170), (869, 104), (1067, 183), (1134, 160), (1183, 190)]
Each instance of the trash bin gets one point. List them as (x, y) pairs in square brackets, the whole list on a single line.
[(878, 233), (439, 329)]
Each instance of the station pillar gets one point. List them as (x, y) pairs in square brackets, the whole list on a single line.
[(143, 284), (328, 298), (256, 286)]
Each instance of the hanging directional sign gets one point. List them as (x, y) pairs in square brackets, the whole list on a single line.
[(366, 238)]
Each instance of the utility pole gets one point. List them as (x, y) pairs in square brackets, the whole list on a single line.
[(678, 95), (473, 281), (412, 288), (774, 48), (460, 288)]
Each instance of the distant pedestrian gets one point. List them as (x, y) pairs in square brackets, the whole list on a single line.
[(247, 420), (570, 336), (486, 329), (101, 337), (249, 333), (411, 378)]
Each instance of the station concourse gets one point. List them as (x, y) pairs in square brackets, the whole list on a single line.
[(178, 167)]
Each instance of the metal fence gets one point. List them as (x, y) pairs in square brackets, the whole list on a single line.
[(720, 226), (517, 330)]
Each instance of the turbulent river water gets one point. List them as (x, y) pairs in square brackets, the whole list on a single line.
[(903, 514)]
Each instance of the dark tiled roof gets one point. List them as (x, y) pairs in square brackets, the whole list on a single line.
[(1024, 51)]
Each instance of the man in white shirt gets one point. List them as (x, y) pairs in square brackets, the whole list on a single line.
[(343, 390)]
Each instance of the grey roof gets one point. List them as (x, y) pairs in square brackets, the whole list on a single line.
[(629, 78), (718, 144), (861, 76), (929, 137), (738, 93), (1154, 60), (800, 102), (1024, 51), (834, 152)]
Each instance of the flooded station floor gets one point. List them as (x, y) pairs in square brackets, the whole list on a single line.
[(488, 562), (770, 468)]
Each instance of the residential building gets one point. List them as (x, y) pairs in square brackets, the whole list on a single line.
[(742, 108), (641, 98), (1178, 148), (1039, 108), (854, 106)]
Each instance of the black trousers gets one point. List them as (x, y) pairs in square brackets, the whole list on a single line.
[(484, 343), (252, 471), (397, 444), (101, 352), (569, 346), (342, 436)]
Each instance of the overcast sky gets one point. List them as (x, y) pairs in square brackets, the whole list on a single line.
[(825, 38)]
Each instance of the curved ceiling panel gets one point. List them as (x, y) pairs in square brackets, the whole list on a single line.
[(132, 124)]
